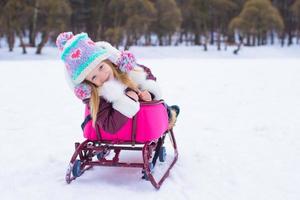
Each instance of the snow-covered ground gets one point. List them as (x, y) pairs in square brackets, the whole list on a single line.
[(165, 52), (237, 134)]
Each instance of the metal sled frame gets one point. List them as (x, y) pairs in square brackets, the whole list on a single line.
[(82, 159)]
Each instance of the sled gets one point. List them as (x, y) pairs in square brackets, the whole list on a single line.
[(146, 133)]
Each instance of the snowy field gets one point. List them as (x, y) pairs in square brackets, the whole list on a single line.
[(238, 133)]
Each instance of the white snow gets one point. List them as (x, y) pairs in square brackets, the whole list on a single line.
[(237, 134)]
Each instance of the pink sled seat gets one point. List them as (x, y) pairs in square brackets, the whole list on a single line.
[(151, 123)]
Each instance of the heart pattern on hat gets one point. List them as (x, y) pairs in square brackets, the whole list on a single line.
[(76, 54)]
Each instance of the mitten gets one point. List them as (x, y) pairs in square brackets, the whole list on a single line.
[(83, 91)]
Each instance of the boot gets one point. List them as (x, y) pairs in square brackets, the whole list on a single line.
[(174, 112)]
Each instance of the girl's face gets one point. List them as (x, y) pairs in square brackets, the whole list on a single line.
[(100, 74)]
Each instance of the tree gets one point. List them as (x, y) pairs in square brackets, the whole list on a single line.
[(256, 19), (79, 15), (201, 18), (32, 21), (52, 18), (13, 20), (97, 14), (167, 21), (139, 16), (206, 19), (115, 22), (284, 9), (295, 8), (220, 18), (186, 27)]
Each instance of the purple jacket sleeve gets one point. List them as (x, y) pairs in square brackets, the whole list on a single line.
[(150, 76), (109, 119)]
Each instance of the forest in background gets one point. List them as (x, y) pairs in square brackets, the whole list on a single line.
[(152, 22)]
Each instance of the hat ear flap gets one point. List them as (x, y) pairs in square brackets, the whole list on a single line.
[(83, 91)]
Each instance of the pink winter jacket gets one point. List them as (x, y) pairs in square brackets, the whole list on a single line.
[(110, 118)]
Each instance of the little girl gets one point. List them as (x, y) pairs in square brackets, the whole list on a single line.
[(109, 81)]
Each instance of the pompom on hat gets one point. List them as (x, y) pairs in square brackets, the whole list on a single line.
[(81, 55), (125, 60)]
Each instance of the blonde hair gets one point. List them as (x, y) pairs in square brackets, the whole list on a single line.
[(95, 99)]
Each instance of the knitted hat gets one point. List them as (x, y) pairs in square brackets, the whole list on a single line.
[(81, 55)]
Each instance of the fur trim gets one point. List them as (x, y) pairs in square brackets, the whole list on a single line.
[(126, 106), (139, 76), (112, 90), (115, 54), (91, 66)]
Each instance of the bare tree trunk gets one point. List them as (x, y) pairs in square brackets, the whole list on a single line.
[(266, 39), (259, 39), (230, 39), (290, 38), (148, 39), (180, 37), (253, 40), (32, 28), (282, 39), (236, 51), (45, 36), (205, 46), (248, 42), (20, 34), (135, 39), (226, 43), (212, 41), (219, 40), (241, 39), (98, 33), (197, 39), (160, 40), (11, 40), (272, 38), (170, 39), (206, 39), (191, 39), (187, 38), (128, 42)]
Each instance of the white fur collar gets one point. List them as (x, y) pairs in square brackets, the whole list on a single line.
[(112, 90)]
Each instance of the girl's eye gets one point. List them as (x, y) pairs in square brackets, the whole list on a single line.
[(101, 67)]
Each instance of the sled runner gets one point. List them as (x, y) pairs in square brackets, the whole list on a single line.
[(145, 132)]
